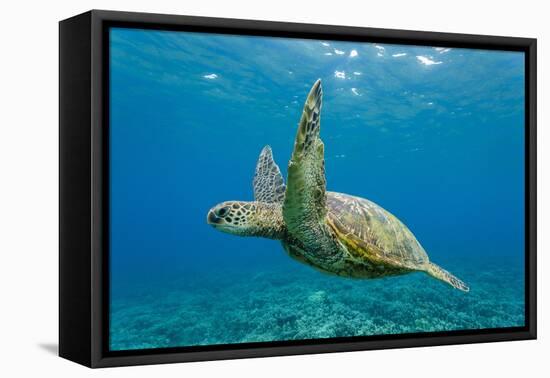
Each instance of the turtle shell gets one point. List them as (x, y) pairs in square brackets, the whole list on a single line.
[(372, 234)]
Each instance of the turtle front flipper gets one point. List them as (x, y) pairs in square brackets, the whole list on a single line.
[(269, 186), (304, 207)]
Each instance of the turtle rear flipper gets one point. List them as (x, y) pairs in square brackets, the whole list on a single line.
[(441, 274)]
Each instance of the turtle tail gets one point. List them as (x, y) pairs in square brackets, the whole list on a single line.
[(441, 274)]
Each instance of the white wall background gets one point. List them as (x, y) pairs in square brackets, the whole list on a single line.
[(29, 176)]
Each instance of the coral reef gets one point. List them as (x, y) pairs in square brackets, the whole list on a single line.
[(292, 302)]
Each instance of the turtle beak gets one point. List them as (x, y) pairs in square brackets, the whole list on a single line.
[(212, 218)]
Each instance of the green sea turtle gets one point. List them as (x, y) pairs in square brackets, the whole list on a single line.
[(335, 233)]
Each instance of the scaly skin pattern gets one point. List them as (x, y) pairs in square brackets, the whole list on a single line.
[(249, 219), (304, 205)]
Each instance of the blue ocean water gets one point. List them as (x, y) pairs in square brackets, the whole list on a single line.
[(433, 135)]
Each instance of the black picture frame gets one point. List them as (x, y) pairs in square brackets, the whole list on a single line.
[(84, 202)]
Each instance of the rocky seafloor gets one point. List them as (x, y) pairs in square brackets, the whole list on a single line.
[(293, 302)]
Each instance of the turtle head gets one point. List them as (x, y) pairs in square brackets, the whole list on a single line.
[(247, 219), (233, 217)]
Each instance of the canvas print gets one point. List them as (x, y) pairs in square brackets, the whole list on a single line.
[(267, 189)]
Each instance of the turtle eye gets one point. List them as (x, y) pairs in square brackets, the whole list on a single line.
[(223, 211)]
